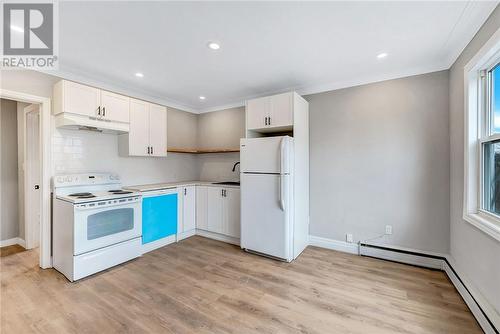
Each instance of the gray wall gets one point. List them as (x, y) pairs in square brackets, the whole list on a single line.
[(379, 155), (476, 254), (221, 129), (182, 129), (9, 186)]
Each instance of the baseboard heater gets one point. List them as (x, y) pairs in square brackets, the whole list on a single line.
[(434, 262)]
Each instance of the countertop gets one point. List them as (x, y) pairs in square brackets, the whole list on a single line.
[(170, 185)]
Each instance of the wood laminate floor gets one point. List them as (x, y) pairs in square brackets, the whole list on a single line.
[(204, 286), (9, 250)]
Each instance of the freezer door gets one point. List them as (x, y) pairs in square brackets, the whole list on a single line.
[(265, 223), (269, 155)]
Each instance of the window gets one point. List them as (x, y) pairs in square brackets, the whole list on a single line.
[(482, 139)]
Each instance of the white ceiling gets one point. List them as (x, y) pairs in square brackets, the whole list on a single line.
[(266, 47)]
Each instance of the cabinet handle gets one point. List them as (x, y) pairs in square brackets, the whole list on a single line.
[(184, 191), (104, 111), (152, 150), (148, 150), (265, 120), (99, 111), (269, 120), (222, 193)]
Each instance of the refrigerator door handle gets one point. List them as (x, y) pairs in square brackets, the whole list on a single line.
[(282, 150), (281, 198)]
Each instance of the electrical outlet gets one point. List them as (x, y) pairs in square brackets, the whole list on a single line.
[(349, 238), (388, 229)]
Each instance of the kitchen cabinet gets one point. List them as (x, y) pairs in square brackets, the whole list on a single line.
[(148, 131), (218, 210), (187, 221), (74, 98), (201, 207), (270, 112)]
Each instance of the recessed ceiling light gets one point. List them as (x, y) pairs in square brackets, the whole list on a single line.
[(139, 75), (202, 97), (213, 45), (382, 55)]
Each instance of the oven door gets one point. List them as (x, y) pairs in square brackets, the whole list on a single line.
[(105, 223)]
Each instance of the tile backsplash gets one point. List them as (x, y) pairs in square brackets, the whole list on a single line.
[(76, 151)]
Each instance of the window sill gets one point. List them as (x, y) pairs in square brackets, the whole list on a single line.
[(485, 223)]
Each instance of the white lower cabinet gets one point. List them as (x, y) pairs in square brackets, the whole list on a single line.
[(186, 224), (218, 210)]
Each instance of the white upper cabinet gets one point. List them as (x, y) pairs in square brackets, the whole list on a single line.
[(115, 107), (158, 130), (75, 98), (270, 112), (138, 136), (258, 111), (148, 131)]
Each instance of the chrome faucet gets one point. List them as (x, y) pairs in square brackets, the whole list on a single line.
[(234, 166)]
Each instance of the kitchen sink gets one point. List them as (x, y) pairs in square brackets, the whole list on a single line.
[(227, 183)]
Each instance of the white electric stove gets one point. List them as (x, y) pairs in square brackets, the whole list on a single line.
[(96, 223)]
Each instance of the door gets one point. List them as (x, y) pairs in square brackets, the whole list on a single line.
[(81, 99), (32, 205), (115, 107), (158, 130), (214, 210), (231, 212), (281, 114), (265, 155), (201, 208), (104, 225), (139, 128), (257, 111), (264, 224), (189, 208)]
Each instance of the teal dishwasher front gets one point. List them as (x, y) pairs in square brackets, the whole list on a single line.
[(159, 215)]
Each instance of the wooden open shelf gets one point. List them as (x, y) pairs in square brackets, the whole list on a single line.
[(202, 151)]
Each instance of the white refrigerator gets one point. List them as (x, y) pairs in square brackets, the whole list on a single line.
[(267, 219)]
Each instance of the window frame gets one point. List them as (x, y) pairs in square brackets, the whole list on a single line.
[(478, 130)]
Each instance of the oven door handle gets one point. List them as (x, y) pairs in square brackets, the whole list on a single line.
[(96, 206)]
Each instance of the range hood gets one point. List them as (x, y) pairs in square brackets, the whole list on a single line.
[(79, 122)]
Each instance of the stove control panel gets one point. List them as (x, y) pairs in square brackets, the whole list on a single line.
[(85, 179)]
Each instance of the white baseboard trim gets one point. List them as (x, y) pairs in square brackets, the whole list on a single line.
[(151, 246), (332, 244), (485, 314), (13, 241), (219, 237), (184, 235)]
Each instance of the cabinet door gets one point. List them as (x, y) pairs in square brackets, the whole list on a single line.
[(257, 111), (138, 135), (115, 107), (201, 208), (158, 130), (281, 110), (231, 212), (188, 208), (214, 210), (80, 99)]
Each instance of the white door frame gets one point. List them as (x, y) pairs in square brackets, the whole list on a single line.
[(29, 233), (45, 153)]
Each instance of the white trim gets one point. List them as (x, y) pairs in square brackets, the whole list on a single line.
[(218, 237), (151, 246), (13, 241), (185, 235), (469, 298), (332, 244), (472, 135), (45, 165)]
